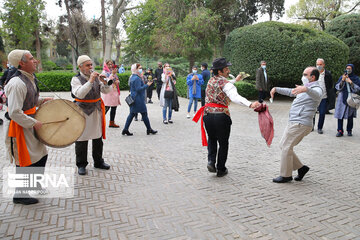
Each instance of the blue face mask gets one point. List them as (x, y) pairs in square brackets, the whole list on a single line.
[(194, 71), (264, 66), (140, 71)]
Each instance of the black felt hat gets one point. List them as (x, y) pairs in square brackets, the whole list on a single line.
[(220, 63)]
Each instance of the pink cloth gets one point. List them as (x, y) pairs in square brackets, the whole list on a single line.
[(112, 99), (266, 123)]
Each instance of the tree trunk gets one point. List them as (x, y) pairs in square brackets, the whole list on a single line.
[(73, 55), (118, 51), (192, 63), (38, 49), (103, 25)]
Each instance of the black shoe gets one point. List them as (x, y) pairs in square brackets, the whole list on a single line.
[(328, 112), (150, 101), (221, 173), (339, 133), (136, 119), (301, 173), (165, 121), (349, 134), (320, 131), (151, 131), (25, 201), (103, 166), (170, 121), (281, 179), (126, 132), (211, 167), (82, 171)]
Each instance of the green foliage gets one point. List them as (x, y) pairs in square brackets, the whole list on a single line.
[(287, 49), (181, 86), (49, 65), (347, 29), (60, 81), (20, 19)]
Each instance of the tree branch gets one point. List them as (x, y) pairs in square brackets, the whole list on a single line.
[(357, 4)]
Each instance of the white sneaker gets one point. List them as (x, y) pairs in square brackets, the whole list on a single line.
[(188, 115)]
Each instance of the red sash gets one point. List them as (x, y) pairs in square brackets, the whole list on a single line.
[(200, 113), (103, 125), (17, 131)]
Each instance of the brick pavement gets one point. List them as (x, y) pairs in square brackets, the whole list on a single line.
[(158, 186)]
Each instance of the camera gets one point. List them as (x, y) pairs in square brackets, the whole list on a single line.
[(345, 72)]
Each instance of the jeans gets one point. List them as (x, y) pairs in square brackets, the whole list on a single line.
[(145, 118), (195, 100), (203, 95), (350, 124), (322, 110), (168, 104), (218, 128)]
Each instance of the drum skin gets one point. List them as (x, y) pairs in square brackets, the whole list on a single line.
[(63, 123)]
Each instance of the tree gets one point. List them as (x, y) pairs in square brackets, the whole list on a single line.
[(118, 9), (189, 30), (22, 21), (272, 7), (321, 11)]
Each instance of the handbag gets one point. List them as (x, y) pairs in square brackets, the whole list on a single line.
[(129, 100), (169, 93), (353, 99)]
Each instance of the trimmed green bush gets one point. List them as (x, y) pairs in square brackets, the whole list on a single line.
[(49, 65), (287, 48), (60, 81), (347, 29)]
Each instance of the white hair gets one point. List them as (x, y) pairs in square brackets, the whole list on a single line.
[(23, 58), (320, 59)]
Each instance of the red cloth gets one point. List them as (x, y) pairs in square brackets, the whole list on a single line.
[(266, 123), (200, 113)]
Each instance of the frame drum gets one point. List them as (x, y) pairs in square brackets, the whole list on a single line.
[(63, 123)]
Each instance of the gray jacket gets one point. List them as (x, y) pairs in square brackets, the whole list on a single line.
[(305, 104)]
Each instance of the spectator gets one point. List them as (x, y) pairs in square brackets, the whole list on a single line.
[(169, 81), (157, 79), (194, 81), (122, 69), (206, 76), (137, 91), (342, 109), (263, 83), (325, 81), (150, 78)]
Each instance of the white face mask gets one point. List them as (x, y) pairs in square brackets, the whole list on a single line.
[(304, 80)]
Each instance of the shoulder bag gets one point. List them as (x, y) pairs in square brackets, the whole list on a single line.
[(353, 99)]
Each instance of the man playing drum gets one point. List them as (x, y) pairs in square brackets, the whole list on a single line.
[(23, 98), (86, 87)]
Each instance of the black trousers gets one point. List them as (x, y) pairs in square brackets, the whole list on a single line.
[(81, 149), (263, 95), (149, 91), (36, 168), (112, 112), (158, 89), (203, 95), (218, 128)]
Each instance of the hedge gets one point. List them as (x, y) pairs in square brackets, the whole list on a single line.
[(347, 29), (287, 49), (60, 81)]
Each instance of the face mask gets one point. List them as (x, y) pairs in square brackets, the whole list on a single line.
[(264, 66), (194, 71), (140, 71), (304, 80), (320, 68), (348, 71)]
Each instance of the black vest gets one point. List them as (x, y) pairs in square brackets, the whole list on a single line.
[(94, 93)]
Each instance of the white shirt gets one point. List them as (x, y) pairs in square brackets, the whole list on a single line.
[(231, 91), (322, 84)]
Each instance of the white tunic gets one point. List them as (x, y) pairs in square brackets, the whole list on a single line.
[(93, 127), (16, 91)]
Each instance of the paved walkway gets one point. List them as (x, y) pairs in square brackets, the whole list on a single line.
[(159, 188)]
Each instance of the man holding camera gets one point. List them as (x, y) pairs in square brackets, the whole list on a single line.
[(86, 87)]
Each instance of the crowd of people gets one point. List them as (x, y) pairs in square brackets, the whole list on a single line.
[(97, 93)]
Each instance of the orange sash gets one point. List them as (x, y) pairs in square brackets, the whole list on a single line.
[(103, 125), (200, 114), (17, 131)]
